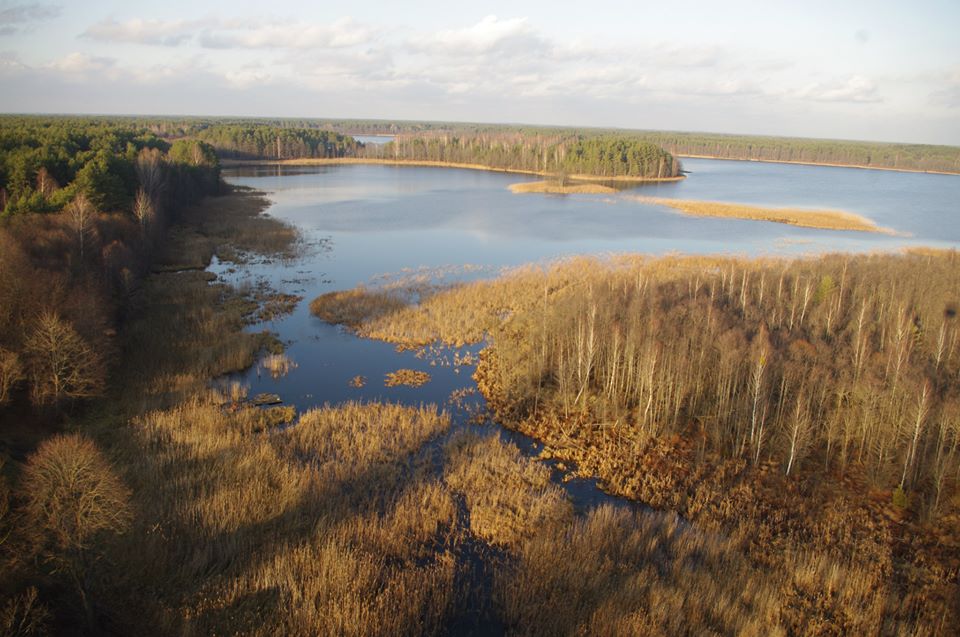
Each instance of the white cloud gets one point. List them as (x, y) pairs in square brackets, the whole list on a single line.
[(490, 35), (856, 89), (345, 32), (138, 31), (76, 63), (233, 34)]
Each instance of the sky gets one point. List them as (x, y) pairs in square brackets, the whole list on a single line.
[(846, 69)]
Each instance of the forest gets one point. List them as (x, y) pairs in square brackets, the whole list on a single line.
[(601, 157), (921, 157), (269, 142)]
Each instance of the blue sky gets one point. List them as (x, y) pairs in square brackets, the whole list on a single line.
[(845, 69)]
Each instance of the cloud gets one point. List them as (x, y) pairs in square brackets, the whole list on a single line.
[(948, 94), (20, 17), (856, 88), (491, 35), (79, 63), (342, 33), (233, 34), (10, 62), (138, 31)]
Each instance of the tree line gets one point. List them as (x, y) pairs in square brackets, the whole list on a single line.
[(240, 141), (606, 156), (814, 151)]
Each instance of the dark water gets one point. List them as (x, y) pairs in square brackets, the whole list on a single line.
[(401, 221)]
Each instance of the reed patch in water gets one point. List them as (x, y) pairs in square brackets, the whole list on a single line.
[(353, 307), (822, 219), (557, 188), (407, 378)]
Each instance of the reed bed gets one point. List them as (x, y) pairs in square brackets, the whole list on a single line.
[(556, 188), (822, 219)]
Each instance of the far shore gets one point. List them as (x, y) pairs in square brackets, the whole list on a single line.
[(335, 161), (820, 163), (821, 219)]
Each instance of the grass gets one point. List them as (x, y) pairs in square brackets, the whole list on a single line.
[(822, 219), (556, 188), (353, 307), (406, 377)]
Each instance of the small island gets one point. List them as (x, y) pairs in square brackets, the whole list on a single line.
[(822, 219)]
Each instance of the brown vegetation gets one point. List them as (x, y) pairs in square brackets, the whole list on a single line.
[(823, 219), (407, 377), (354, 307), (557, 188)]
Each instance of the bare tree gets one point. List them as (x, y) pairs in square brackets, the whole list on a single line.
[(798, 433), (923, 408), (61, 364), (143, 208), (72, 495), (46, 184), (149, 169), (11, 373), (81, 213)]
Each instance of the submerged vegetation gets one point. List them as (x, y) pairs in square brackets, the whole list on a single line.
[(823, 219)]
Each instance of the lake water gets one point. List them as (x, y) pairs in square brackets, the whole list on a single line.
[(378, 220)]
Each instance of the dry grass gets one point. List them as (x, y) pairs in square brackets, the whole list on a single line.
[(406, 377), (509, 497), (358, 381), (556, 188), (354, 307), (823, 219)]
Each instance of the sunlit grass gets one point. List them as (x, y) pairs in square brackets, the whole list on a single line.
[(822, 219)]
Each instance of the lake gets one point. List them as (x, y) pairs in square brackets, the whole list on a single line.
[(366, 221)]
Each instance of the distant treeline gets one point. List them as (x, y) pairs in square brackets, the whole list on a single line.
[(607, 156), (813, 151), (230, 133), (271, 142)]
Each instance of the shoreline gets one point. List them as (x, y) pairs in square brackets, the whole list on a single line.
[(335, 161), (813, 163)]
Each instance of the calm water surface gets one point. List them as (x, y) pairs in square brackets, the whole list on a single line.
[(377, 220)]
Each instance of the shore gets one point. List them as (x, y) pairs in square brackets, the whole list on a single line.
[(815, 163), (821, 219), (337, 161)]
